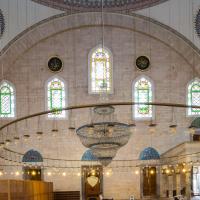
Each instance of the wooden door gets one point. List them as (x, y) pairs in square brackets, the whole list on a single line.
[(149, 181), (91, 192)]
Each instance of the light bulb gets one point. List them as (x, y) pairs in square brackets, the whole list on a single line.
[(184, 170), (33, 173), (8, 142), (79, 174), (152, 128), (136, 172), (167, 171), (17, 173), (49, 173), (173, 129), (64, 174), (152, 172), (192, 130)]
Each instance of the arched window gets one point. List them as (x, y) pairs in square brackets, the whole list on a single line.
[(194, 97), (56, 97), (7, 100), (100, 71), (142, 93)]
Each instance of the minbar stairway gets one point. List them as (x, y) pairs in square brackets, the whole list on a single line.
[(67, 195)]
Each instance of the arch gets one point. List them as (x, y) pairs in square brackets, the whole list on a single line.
[(66, 22), (193, 97), (143, 91), (149, 153), (88, 156), (7, 99), (196, 123), (100, 70), (32, 156), (56, 96)]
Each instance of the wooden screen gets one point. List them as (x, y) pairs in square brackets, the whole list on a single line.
[(149, 181), (25, 190)]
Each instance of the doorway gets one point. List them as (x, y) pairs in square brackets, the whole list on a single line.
[(92, 182), (32, 174), (149, 181)]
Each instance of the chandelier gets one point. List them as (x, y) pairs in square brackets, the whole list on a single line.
[(104, 136)]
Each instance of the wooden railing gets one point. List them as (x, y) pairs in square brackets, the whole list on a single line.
[(25, 190), (67, 195)]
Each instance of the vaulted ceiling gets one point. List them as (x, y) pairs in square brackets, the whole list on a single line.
[(95, 5)]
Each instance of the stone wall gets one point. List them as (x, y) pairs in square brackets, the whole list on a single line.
[(72, 38)]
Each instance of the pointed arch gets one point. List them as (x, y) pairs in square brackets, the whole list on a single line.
[(7, 99), (100, 68), (56, 96), (143, 92), (193, 97)]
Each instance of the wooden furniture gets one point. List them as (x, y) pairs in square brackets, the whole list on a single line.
[(67, 195), (25, 190)]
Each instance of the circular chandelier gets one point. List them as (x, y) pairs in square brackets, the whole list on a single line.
[(105, 136)]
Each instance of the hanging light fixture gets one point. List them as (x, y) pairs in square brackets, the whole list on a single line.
[(173, 125), (104, 137)]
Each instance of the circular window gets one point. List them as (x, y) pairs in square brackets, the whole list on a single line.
[(55, 64), (142, 63), (2, 23)]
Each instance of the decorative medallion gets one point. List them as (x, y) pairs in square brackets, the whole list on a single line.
[(2, 23), (55, 64), (142, 63), (197, 23)]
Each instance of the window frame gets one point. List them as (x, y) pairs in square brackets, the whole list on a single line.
[(133, 99), (46, 98), (187, 98), (14, 100), (89, 71)]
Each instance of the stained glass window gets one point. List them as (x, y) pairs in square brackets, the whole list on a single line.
[(7, 100), (194, 97), (143, 94), (100, 71), (56, 98)]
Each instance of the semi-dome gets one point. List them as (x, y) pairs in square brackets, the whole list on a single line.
[(95, 5), (196, 123), (32, 156), (88, 156), (149, 153)]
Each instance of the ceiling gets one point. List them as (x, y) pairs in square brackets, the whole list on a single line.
[(96, 5)]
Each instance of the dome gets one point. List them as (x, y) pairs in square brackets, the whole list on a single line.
[(196, 123), (32, 156), (149, 153), (88, 156), (95, 5)]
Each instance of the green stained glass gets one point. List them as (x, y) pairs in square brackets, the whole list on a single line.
[(56, 97), (7, 100), (143, 94), (100, 71), (194, 97)]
